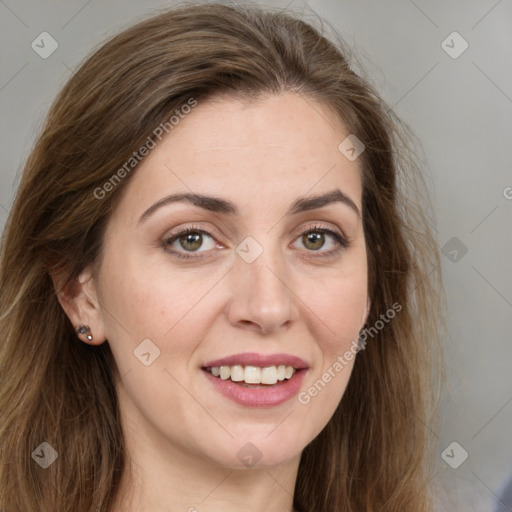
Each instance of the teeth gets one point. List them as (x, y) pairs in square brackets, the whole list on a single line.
[(269, 375), (225, 372), (253, 374), (237, 373)]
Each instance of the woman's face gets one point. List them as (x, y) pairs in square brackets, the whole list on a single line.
[(260, 281)]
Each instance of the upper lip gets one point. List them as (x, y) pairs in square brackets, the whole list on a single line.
[(261, 360)]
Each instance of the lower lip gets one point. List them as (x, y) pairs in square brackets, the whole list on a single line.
[(268, 396)]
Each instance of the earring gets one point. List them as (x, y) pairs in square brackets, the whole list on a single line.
[(85, 329)]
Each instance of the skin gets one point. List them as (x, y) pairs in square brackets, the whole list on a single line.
[(182, 436)]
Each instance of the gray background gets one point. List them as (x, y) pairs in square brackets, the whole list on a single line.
[(461, 108)]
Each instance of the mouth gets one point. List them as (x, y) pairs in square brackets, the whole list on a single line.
[(253, 376), (257, 380)]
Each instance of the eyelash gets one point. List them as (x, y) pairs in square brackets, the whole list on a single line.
[(342, 242)]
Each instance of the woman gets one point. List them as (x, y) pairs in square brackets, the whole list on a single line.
[(219, 289)]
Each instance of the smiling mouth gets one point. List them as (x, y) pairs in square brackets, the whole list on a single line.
[(253, 376)]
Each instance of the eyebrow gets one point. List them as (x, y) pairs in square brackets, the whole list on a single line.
[(217, 205)]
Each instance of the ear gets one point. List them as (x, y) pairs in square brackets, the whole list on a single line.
[(79, 300)]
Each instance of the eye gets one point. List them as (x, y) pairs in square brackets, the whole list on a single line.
[(318, 237), (188, 240), (191, 241)]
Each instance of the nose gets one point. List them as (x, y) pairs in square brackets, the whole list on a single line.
[(263, 298)]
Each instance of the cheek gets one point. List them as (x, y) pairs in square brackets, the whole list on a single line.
[(135, 294), (341, 306), (151, 302)]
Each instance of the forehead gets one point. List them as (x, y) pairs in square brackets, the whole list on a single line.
[(297, 125), (277, 146)]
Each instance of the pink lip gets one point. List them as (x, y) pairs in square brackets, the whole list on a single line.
[(254, 359), (268, 396)]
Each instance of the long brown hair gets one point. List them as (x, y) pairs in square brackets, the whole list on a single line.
[(375, 451)]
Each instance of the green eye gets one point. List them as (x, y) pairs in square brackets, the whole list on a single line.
[(313, 240), (188, 240), (191, 241), (317, 238)]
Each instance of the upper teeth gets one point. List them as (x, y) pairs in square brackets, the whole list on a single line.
[(253, 374)]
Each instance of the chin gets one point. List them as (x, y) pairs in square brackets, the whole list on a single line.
[(258, 452)]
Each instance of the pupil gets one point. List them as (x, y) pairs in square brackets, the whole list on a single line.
[(316, 239), (194, 239)]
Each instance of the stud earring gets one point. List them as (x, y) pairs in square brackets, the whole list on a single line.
[(85, 329)]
